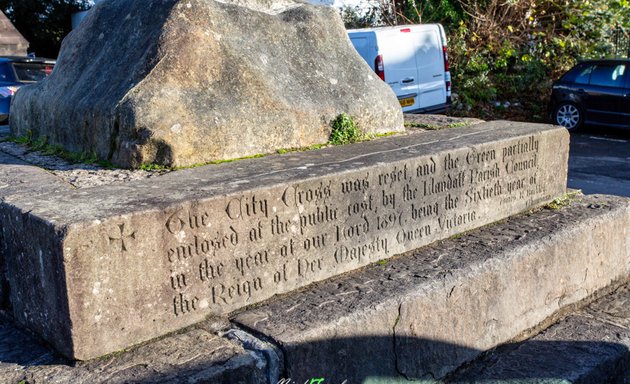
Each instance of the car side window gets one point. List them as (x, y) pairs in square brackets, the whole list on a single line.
[(609, 75), (583, 74)]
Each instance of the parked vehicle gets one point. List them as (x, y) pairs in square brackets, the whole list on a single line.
[(593, 92), (413, 60), (18, 71)]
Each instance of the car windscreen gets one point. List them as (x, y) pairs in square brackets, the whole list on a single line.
[(32, 71)]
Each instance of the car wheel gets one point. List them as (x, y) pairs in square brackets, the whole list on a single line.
[(569, 116)]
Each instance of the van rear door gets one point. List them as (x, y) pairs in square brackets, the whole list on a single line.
[(414, 65), (431, 70), (398, 49)]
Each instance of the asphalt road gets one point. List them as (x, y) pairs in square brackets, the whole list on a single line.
[(599, 161)]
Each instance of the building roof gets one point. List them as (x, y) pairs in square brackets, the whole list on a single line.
[(8, 33)]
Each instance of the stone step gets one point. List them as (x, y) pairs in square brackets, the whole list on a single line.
[(426, 313), (590, 346), (195, 356), (417, 316), (97, 270)]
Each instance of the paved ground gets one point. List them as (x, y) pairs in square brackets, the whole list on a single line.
[(599, 161)]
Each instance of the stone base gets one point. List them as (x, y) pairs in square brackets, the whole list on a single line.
[(97, 270), (423, 313), (428, 312), (589, 346), (196, 356)]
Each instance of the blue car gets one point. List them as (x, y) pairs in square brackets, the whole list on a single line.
[(16, 72)]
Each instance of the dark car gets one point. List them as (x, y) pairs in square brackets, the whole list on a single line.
[(16, 72), (595, 92)]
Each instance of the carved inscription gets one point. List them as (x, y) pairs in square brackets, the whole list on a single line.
[(241, 249)]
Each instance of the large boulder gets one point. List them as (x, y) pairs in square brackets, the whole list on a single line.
[(185, 82)]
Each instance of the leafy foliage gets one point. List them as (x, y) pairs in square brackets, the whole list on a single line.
[(344, 130), (44, 23), (507, 52)]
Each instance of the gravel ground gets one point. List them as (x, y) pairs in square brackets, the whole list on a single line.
[(78, 175), (92, 175), (415, 123)]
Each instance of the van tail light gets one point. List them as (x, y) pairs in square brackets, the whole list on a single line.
[(405, 30), (447, 74), (379, 68), (446, 64)]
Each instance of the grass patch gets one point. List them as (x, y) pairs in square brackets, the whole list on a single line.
[(420, 125), (344, 130), (161, 167), (564, 200), (151, 167), (435, 127), (41, 145), (282, 151), (372, 136)]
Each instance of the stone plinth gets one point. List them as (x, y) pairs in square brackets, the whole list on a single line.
[(425, 314), (98, 269)]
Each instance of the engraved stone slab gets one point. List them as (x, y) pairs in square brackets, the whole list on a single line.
[(98, 269)]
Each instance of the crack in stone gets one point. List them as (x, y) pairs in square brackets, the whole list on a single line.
[(398, 370)]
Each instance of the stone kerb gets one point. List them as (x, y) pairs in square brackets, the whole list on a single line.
[(99, 269)]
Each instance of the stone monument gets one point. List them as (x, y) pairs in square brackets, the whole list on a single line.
[(97, 270), (195, 81)]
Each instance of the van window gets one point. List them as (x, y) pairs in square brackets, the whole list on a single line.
[(608, 75), (359, 43)]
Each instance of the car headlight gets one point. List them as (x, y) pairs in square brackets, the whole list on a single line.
[(8, 91)]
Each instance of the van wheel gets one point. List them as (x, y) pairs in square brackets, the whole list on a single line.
[(569, 116)]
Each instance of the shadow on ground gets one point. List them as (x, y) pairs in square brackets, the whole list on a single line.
[(24, 359)]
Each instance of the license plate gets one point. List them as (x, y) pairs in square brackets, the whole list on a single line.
[(407, 102)]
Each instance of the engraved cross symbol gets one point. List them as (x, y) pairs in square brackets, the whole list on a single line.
[(122, 237)]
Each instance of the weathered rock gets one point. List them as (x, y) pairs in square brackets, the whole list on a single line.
[(591, 346), (422, 315), (200, 80), (98, 269)]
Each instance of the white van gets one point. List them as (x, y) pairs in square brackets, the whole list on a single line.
[(412, 59)]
